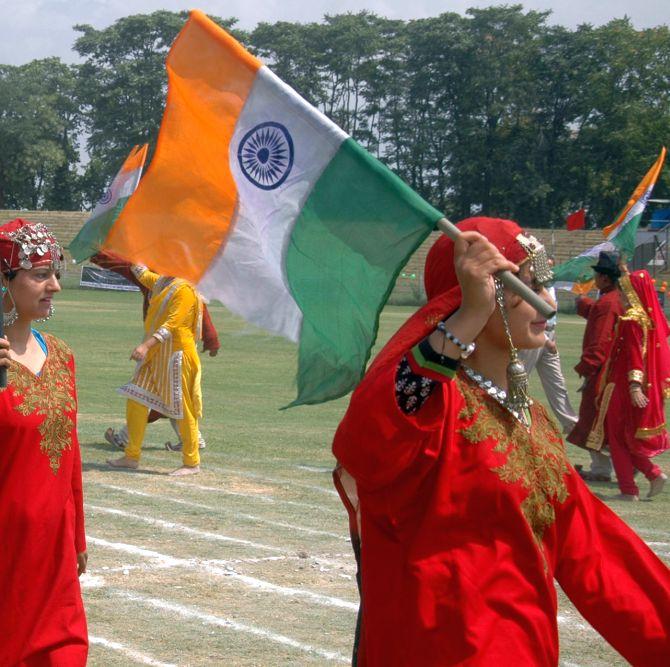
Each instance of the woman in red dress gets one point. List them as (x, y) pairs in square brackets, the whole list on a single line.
[(41, 509), (462, 496), (632, 389)]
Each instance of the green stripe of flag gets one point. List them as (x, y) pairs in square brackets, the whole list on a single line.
[(357, 229), (91, 236)]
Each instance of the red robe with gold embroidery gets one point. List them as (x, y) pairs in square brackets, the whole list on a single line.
[(467, 517), (42, 619), (601, 318)]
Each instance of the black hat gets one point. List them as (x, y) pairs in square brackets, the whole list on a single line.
[(608, 264)]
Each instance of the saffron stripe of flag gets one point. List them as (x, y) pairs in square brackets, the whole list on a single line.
[(576, 274)]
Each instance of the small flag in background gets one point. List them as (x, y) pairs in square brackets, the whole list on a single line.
[(576, 220), (576, 274), (266, 205), (106, 211)]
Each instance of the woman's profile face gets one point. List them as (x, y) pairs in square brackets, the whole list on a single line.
[(33, 291), (526, 325)]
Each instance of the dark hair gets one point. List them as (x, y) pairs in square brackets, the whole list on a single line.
[(8, 272)]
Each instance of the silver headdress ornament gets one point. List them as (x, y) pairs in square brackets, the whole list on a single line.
[(539, 261), (37, 240)]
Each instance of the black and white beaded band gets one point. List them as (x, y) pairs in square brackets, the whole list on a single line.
[(466, 350)]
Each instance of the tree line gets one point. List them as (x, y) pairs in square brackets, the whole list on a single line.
[(497, 111)]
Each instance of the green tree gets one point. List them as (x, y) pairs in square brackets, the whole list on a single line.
[(39, 123)]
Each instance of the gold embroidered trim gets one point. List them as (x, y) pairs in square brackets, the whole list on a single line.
[(636, 310), (535, 457), (433, 320), (596, 437), (636, 376), (650, 432), (49, 395)]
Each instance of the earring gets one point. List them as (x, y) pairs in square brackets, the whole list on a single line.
[(13, 315), (52, 310), (517, 378)]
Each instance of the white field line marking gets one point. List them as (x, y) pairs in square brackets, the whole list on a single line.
[(99, 572), (137, 656), (261, 497), (254, 475), (250, 517), (163, 559), (90, 580), (563, 619), (658, 544), (273, 480), (653, 531), (181, 528), (194, 613), (229, 573)]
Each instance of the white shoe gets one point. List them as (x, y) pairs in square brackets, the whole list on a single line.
[(177, 447), (656, 485), (114, 439)]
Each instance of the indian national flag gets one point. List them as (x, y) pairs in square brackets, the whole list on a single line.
[(576, 274), (264, 204), (106, 211)]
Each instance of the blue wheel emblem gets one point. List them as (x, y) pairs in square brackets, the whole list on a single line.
[(106, 197), (265, 155)]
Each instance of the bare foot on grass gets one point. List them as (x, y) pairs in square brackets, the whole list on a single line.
[(124, 462), (185, 470)]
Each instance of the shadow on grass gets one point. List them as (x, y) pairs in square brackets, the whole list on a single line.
[(103, 467), (106, 447)]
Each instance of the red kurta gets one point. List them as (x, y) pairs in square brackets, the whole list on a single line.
[(466, 519), (41, 516), (601, 317)]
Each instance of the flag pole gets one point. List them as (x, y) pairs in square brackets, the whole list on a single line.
[(508, 279), (3, 369)]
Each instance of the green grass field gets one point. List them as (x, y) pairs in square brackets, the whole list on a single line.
[(249, 562)]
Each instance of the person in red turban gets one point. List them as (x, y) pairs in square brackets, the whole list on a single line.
[(464, 506), (41, 506)]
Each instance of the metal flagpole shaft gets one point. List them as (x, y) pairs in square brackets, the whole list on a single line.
[(3, 370), (507, 278)]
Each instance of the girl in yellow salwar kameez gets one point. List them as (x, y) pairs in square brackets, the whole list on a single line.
[(167, 377)]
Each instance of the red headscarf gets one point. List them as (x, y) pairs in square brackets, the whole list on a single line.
[(24, 244), (441, 283), (651, 435)]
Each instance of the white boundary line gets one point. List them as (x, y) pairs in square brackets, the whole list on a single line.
[(254, 475), (181, 528), (228, 573), (273, 480), (135, 655), (261, 497), (210, 619), (221, 510)]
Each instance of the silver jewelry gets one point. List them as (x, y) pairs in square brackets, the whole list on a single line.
[(37, 240), (517, 378), (466, 350), (52, 310), (13, 315), (495, 392), (541, 270)]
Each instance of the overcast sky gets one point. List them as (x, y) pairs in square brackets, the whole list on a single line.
[(32, 29)]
